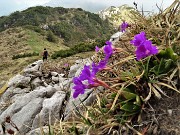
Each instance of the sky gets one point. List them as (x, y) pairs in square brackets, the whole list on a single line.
[(9, 6)]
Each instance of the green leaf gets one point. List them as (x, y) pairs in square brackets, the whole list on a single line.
[(130, 107), (168, 64), (128, 95), (168, 54), (163, 67), (113, 95), (138, 101)]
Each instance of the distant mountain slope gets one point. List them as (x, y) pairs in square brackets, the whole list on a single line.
[(19, 41), (117, 14), (73, 25)]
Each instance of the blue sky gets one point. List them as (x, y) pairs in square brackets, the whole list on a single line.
[(9, 6)]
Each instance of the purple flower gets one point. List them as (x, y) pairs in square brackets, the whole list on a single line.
[(66, 65), (97, 49), (109, 43), (124, 25), (79, 87), (144, 46), (99, 66), (108, 50), (90, 76), (86, 74), (146, 49), (139, 39)]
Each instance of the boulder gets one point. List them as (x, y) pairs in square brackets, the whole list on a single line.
[(34, 69), (11, 94), (115, 37), (50, 110), (24, 118), (55, 74), (19, 81), (36, 83), (24, 109)]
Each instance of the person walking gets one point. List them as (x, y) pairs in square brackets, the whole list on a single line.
[(45, 54)]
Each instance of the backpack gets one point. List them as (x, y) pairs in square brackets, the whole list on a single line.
[(45, 54)]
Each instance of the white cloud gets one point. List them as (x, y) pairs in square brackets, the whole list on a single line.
[(31, 2), (95, 5)]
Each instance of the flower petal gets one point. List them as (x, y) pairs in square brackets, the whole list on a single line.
[(139, 39), (97, 49)]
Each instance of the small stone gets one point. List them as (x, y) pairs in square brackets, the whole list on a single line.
[(169, 112), (55, 74), (55, 79)]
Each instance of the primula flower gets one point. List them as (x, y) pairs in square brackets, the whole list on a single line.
[(144, 46), (146, 49), (97, 49), (66, 65), (139, 39), (86, 74), (101, 65), (124, 25), (109, 43), (108, 50), (79, 87)]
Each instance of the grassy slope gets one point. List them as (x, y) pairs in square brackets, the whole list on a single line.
[(17, 41)]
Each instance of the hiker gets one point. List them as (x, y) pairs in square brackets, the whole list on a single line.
[(45, 54)]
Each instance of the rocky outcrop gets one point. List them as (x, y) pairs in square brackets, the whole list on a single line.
[(34, 99), (116, 15)]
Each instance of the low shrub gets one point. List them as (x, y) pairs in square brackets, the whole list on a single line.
[(79, 48), (25, 55), (51, 37)]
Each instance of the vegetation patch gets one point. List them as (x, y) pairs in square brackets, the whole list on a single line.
[(79, 48), (25, 55)]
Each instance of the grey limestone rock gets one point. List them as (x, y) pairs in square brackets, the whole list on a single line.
[(19, 81), (50, 110)]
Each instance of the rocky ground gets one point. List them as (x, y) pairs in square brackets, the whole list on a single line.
[(39, 96)]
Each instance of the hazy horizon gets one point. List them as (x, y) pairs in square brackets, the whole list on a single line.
[(9, 6)]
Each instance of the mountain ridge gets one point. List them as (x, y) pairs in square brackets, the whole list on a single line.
[(116, 15)]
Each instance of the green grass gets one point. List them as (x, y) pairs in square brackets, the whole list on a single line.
[(38, 43), (19, 41)]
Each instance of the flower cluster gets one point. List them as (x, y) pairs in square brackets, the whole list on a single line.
[(123, 26), (87, 79), (143, 46)]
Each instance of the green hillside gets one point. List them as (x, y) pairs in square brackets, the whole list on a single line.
[(73, 25), (22, 42)]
